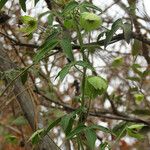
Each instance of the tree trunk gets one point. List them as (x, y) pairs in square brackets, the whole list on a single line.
[(24, 100)]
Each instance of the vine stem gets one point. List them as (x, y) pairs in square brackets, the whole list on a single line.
[(84, 59)]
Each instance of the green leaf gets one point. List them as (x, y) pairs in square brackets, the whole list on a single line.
[(136, 126), (89, 5), (43, 14), (104, 146), (50, 19), (24, 77), (134, 79), (82, 128), (67, 47), (64, 71), (67, 123), (134, 134), (36, 136), (69, 23), (146, 73), (136, 47), (109, 35), (127, 29), (90, 21), (50, 126), (39, 134), (76, 131), (117, 62), (35, 2), (11, 138), (19, 121), (30, 24), (84, 64), (67, 120), (135, 68), (133, 130), (120, 129), (45, 49), (101, 128), (91, 138), (100, 35), (69, 7), (23, 4), (2, 3), (62, 74)]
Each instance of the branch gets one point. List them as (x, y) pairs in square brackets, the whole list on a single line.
[(115, 39), (102, 114)]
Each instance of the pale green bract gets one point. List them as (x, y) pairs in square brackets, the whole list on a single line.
[(30, 24), (90, 21)]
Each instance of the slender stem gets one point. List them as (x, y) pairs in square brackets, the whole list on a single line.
[(84, 59)]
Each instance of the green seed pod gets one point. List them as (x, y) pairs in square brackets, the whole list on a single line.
[(90, 21)]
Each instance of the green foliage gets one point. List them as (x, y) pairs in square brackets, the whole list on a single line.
[(68, 120), (104, 146), (36, 136), (67, 123), (80, 17), (82, 128), (119, 129), (136, 47), (35, 2), (62, 74), (49, 45), (91, 138), (133, 131), (2, 3), (127, 128), (109, 34), (51, 125), (127, 28), (30, 24), (69, 7), (9, 138), (65, 44), (117, 62), (87, 5), (69, 23), (50, 19), (24, 76), (23, 4)]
